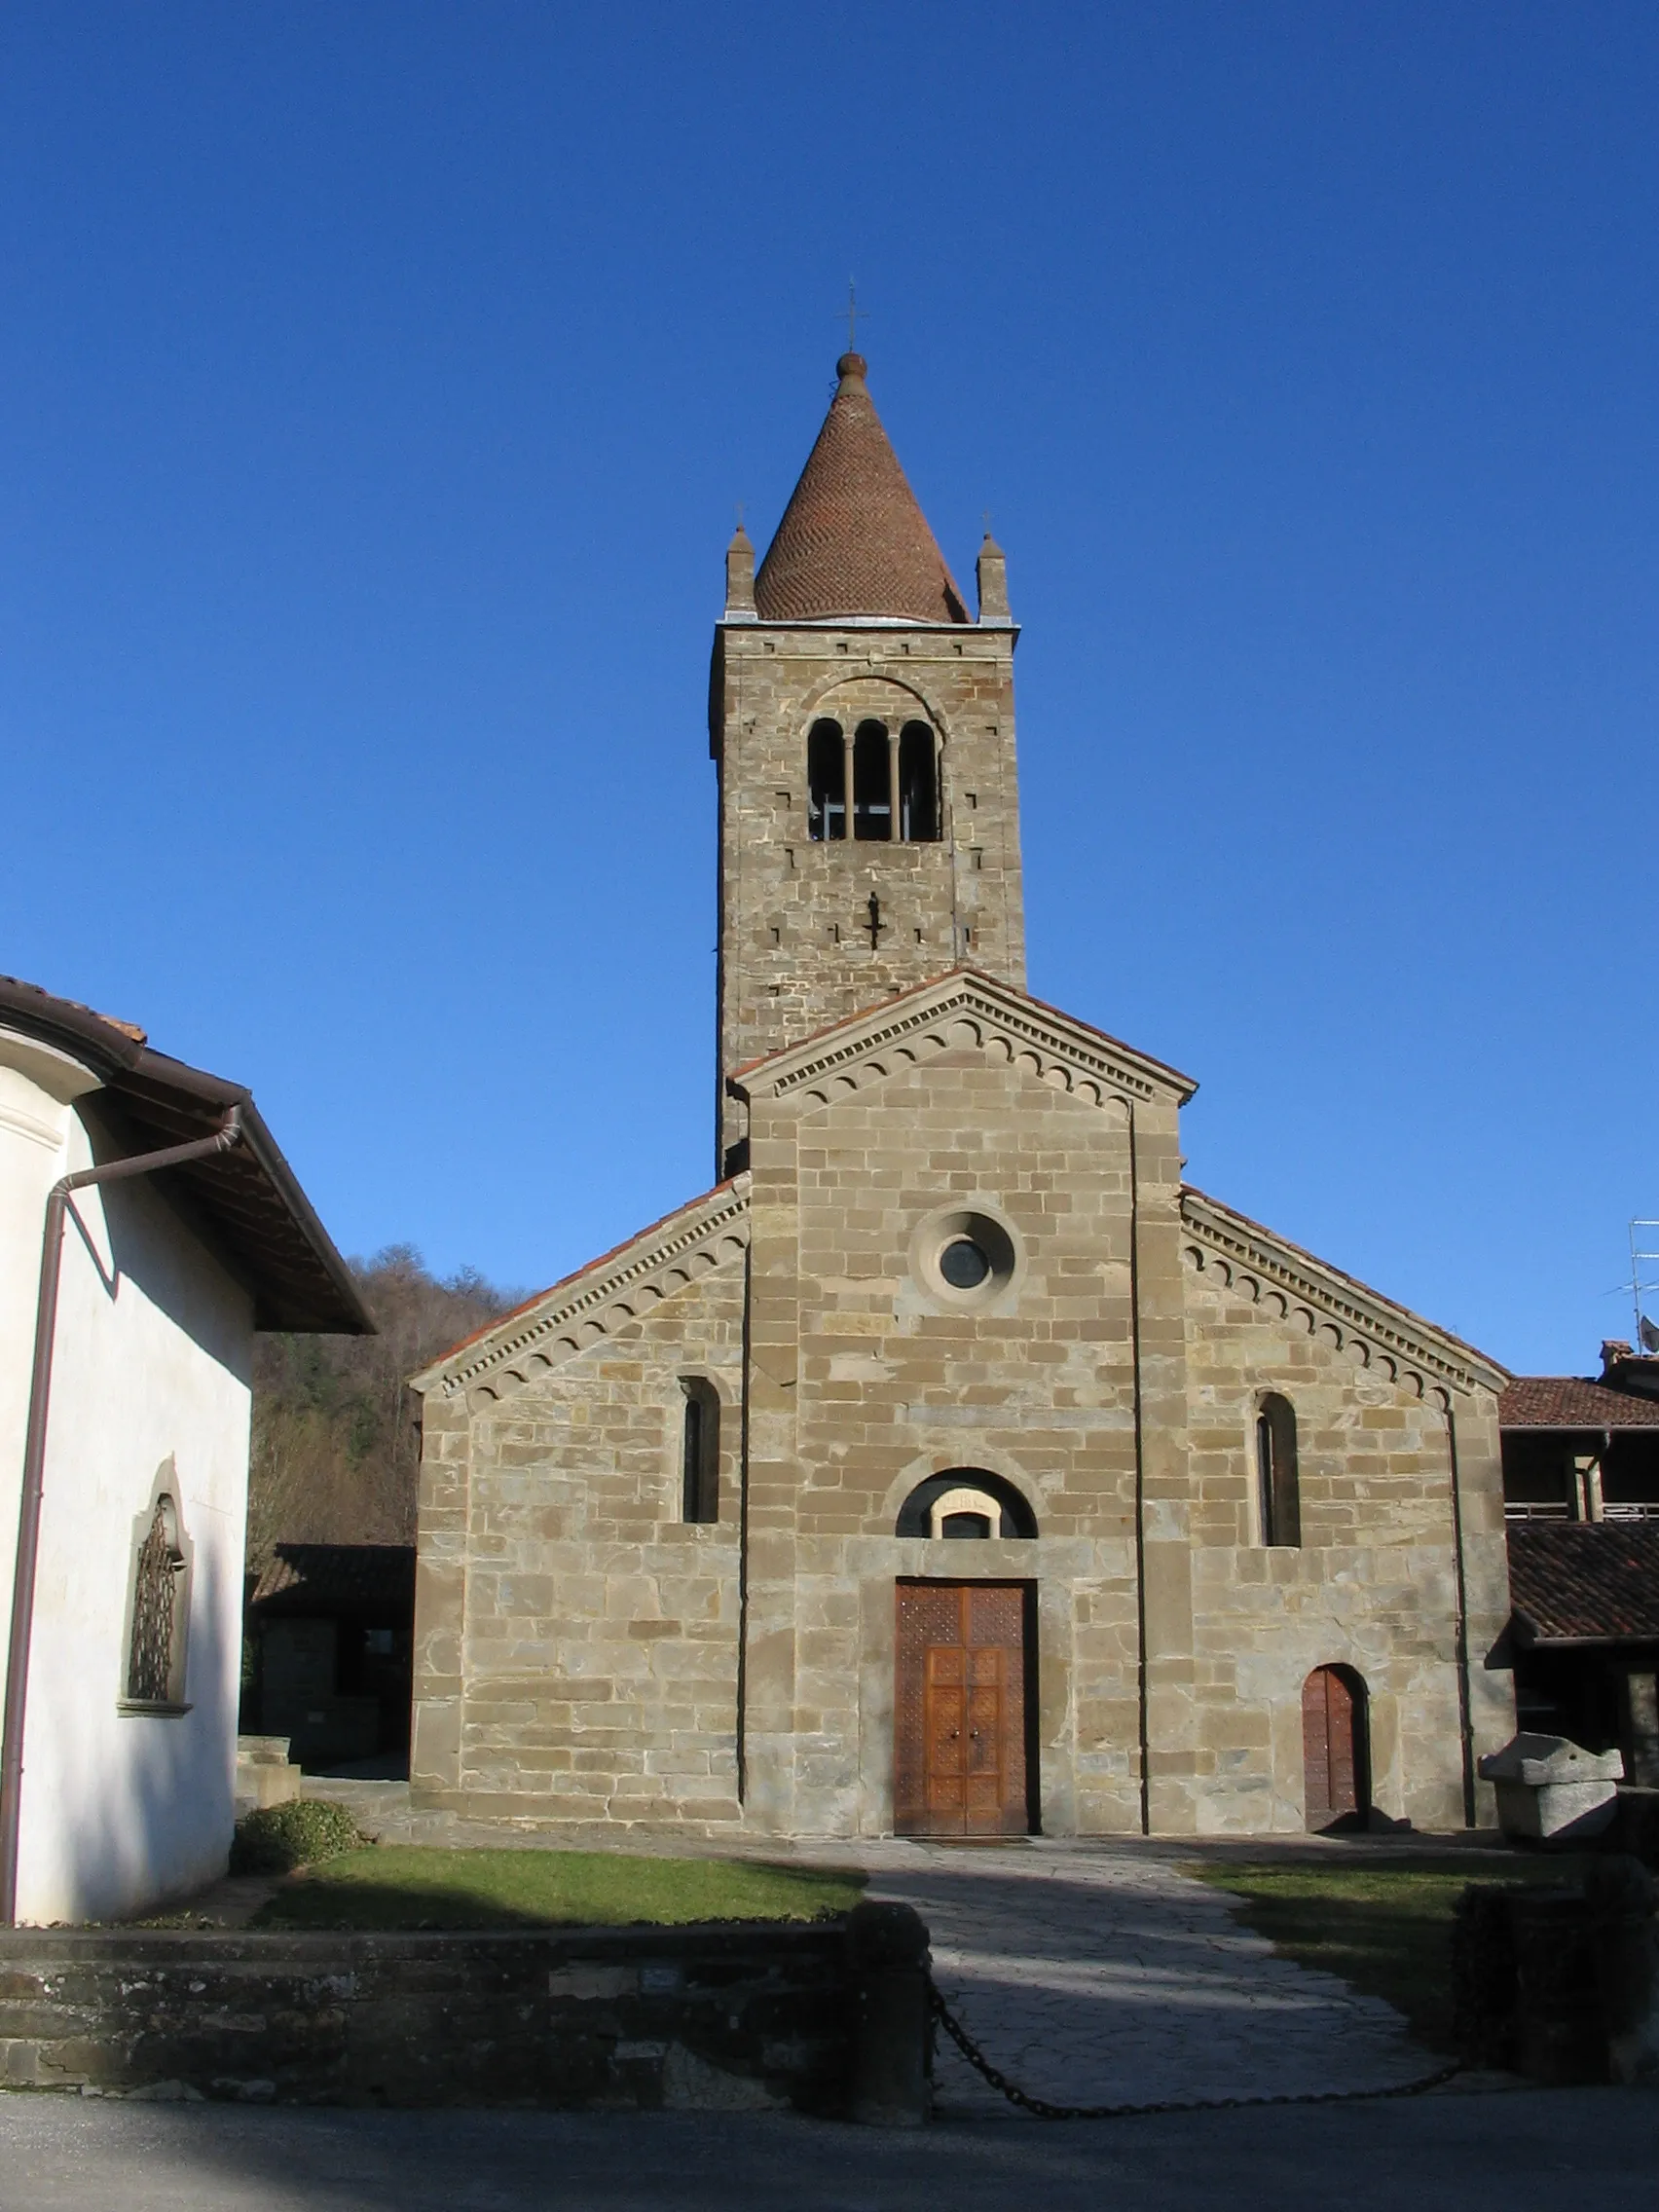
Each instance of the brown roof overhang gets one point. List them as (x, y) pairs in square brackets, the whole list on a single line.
[(246, 1203), (1572, 1402), (373, 1581), (1584, 1582)]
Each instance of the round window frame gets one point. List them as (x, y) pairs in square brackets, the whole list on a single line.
[(977, 1222)]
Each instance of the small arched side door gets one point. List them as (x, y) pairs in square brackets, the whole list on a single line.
[(1335, 1764)]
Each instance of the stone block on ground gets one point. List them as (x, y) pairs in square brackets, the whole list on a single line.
[(1552, 1789)]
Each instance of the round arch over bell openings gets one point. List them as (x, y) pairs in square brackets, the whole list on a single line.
[(946, 1504), (889, 765)]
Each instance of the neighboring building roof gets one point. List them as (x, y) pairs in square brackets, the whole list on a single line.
[(1585, 1581), (1572, 1401), (246, 1201), (313, 1581), (853, 539)]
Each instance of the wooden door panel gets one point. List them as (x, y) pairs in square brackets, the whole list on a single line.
[(959, 1719), (1315, 1749), (1339, 1709), (1332, 1747)]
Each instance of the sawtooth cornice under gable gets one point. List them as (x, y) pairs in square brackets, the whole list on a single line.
[(1067, 1052), (606, 1295), (1382, 1333)]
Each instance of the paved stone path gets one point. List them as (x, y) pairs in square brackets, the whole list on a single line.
[(1090, 1972), (1094, 1976)]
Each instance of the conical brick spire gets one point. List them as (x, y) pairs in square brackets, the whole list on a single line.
[(853, 539)]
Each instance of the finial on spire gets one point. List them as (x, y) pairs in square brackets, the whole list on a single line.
[(740, 573), (991, 571)]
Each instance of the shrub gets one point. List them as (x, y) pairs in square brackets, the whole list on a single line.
[(282, 1838)]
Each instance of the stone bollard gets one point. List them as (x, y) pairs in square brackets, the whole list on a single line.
[(1619, 1894), (892, 2084)]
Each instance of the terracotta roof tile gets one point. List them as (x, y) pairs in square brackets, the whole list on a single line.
[(48, 1002), (853, 539), (1585, 1581), (1572, 1401)]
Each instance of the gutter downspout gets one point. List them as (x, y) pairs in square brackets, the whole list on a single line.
[(35, 1468)]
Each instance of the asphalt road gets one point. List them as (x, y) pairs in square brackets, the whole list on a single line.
[(1519, 2151)]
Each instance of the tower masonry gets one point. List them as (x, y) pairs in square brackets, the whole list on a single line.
[(863, 729)]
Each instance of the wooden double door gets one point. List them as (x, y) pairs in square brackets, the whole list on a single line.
[(959, 1744)]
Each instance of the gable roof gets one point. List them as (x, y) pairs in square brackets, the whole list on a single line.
[(853, 539), (1585, 1581), (605, 1294), (1071, 1049), (1360, 1314), (1574, 1401), (247, 1199)]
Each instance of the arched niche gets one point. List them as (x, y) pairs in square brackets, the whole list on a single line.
[(956, 1492)]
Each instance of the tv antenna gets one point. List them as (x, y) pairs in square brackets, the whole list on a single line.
[(1645, 1280)]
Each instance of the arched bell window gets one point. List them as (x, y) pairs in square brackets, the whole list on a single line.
[(825, 782), (877, 785), (1279, 1489), (872, 784), (918, 784)]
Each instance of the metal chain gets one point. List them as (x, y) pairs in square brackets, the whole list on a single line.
[(1041, 2109)]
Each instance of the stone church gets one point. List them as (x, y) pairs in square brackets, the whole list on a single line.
[(952, 1466)]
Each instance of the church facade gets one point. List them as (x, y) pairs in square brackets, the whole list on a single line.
[(952, 1466)]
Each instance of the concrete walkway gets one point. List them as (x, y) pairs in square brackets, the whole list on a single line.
[(1102, 1974), (1496, 2154)]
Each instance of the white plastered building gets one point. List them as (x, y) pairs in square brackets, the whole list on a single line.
[(133, 1627)]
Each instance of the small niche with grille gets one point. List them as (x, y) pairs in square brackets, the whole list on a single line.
[(154, 1658)]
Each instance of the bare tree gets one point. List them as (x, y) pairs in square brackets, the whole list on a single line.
[(336, 1435)]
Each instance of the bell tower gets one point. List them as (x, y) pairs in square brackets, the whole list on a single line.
[(861, 728)]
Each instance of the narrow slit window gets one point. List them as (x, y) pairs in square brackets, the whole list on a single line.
[(1278, 1487), (700, 1453), (826, 783), (918, 784), (872, 784)]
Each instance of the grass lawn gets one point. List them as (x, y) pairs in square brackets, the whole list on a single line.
[(1384, 1926), (412, 1886)]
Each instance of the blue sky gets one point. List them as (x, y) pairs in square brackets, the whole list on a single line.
[(379, 380)]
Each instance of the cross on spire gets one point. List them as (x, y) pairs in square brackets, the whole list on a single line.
[(854, 313)]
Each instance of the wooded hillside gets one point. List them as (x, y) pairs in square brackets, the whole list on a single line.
[(336, 1448)]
